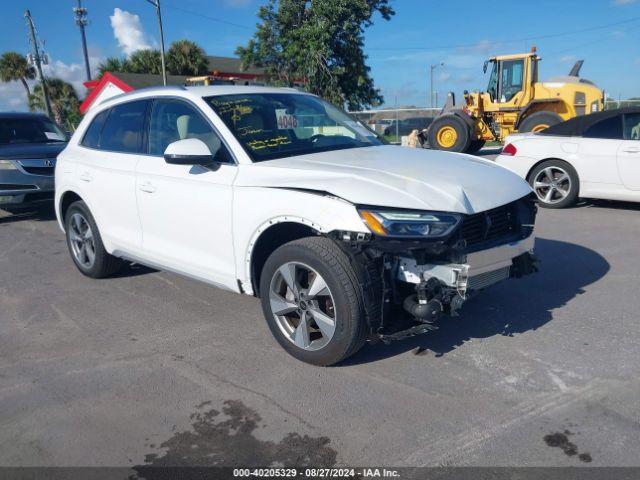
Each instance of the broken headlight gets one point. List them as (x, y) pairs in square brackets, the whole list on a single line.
[(398, 223)]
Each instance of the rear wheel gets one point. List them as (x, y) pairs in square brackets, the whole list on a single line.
[(556, 184), (85, 243), (539, 121), (449, 133), (312, 302)]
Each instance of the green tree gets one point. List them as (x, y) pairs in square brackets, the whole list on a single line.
[(113, 64), (186, 58), (144, 61), (320, 42), (14, 66), (65, 105)]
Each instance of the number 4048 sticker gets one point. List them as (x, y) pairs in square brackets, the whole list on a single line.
[(285, 120)]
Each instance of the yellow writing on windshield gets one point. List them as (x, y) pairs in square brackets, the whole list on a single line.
[(269, 143)]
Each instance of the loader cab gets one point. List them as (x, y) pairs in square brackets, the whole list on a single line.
[(511, 79)]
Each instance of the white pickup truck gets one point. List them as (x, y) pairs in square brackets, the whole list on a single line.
[(278, 194)]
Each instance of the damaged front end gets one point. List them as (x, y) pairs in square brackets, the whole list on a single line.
[(432, 277)]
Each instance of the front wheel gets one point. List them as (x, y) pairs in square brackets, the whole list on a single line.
[(556, 184), (449, 133), (312, 302)]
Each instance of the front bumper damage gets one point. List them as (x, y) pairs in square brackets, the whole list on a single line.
[(442, 288), (429, 280)]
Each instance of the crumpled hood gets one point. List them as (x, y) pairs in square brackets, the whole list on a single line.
[(393, 176)]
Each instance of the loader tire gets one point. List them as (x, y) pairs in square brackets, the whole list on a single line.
[(449, 133), (539, 121)]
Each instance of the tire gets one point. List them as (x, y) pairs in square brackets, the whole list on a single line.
[(449, 133), (536, 122), (566, 191), (99, 264), (475, 146), (313, 258)]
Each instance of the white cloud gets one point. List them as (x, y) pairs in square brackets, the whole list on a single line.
[(568, 58), (624, 2), (13, 97), (127, 29)]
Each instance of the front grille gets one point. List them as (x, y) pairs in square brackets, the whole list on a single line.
[(491, 225), (39, 170), (38, 197)]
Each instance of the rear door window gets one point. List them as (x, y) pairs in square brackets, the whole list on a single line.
[(92, 136), (609, 128), (124, 129)]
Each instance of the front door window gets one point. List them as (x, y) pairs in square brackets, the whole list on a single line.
[(511, 79)]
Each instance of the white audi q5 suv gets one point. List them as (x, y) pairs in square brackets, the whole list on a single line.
[(278, 194)]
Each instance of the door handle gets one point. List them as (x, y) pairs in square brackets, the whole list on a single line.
[(86, 177), (147, 187), (631, 150)]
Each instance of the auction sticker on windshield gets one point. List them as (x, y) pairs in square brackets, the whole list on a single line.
[(285, 120)]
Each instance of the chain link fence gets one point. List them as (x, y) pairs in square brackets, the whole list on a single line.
[(394, 123)]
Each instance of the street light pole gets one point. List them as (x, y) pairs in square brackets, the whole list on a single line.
[(156, 3), (431, 69)]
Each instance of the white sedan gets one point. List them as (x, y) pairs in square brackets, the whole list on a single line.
[(592, 156)]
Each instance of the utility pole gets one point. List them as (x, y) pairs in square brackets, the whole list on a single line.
[(37, 60), (431, 69), (81, 21), (156, 3)]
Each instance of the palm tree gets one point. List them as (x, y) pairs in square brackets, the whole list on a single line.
[(113, 64), (186, 58), (65, 105), (14, 66), (145, 61)]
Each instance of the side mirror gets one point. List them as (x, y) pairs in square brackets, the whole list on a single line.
[(190, 151), (484, 67)]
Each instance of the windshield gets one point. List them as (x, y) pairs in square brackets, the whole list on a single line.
[(29, 130), (277, 125)]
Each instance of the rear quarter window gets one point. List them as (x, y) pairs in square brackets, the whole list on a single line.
[(609, 128), (91, 137)]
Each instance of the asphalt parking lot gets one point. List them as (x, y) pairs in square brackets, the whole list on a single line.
[(150, 368)]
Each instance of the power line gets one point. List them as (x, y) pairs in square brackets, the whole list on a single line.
[(200, 15), (523, 39)]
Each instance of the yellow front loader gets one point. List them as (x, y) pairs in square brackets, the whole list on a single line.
[(515, 101)]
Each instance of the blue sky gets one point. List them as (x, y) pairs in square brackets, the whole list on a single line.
[(605, 33)]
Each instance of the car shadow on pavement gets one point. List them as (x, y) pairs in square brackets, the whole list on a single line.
[(612, 204), (512, 307)]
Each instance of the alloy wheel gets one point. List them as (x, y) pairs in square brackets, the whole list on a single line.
[(82, 242), (302, 306), (552, 185)]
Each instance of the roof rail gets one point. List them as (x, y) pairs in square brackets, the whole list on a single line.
[(160, 88)]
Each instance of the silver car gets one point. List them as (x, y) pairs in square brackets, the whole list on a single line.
[(29, 145)]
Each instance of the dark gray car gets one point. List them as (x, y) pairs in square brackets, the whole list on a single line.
[(29, 145)]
